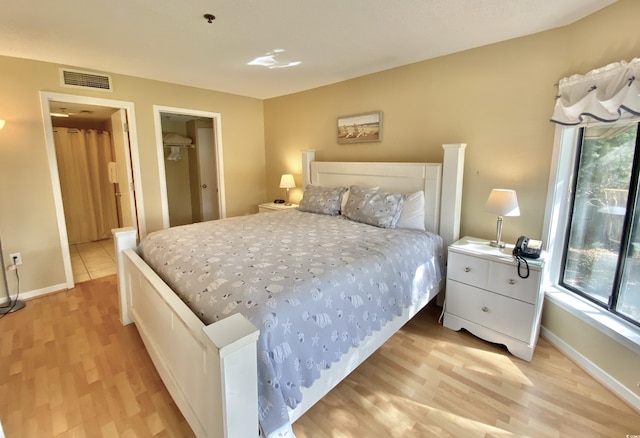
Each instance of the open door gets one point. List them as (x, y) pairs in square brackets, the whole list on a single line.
[(125, 195), (208, 178), (127, 172)]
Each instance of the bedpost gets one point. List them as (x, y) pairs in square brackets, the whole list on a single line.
[(451, 199), (233, 340), (308, 155), (123, 238)]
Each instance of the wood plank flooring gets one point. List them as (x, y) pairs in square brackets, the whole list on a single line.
[(69, 369)]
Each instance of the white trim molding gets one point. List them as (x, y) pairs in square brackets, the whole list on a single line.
[(45, 99), (592, 369)]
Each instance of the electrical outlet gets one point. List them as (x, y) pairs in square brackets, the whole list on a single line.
[(16, 258)]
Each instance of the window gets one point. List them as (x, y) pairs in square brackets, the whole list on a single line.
[(601, 253)]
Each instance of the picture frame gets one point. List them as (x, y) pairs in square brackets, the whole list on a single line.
[(360, 128)]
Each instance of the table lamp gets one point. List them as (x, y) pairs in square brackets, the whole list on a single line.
[(287, 182), (503, 203)]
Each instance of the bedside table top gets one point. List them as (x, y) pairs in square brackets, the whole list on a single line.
[(274, 206), (481, 247)]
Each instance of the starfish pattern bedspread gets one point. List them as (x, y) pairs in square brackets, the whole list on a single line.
[(314, 285)]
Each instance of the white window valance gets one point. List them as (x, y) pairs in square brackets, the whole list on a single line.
[(605, 94)]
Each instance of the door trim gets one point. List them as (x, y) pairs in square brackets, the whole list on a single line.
[(217, 138), (134, 167)]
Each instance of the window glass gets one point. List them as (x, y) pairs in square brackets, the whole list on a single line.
[(628, 301), (597, 220)]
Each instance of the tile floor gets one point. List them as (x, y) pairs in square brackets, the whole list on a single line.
[(92, 260)]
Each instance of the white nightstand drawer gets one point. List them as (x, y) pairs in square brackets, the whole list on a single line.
[(505, 315), (504, 279), (468, 269)]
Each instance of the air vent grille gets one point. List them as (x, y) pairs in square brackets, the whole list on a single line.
[(82, 79)]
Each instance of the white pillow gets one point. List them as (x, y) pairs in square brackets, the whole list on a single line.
[(412, 215)]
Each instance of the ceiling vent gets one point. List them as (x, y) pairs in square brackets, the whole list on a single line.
[(83, 79)]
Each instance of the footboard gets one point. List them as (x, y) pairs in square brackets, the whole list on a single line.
[(210, 371)]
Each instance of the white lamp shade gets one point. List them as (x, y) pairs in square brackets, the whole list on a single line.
[(1, 123), (287, 182), (503, 203)]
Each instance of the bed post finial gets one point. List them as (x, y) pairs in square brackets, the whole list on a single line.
[(308, 155), (123, 238), (451, 204)]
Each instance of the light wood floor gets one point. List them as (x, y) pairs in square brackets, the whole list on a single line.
[(69, 369)]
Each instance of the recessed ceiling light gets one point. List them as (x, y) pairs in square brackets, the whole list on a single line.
[(60, 112)]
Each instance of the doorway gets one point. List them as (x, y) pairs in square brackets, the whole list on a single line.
[(107, 171), (190, 162)]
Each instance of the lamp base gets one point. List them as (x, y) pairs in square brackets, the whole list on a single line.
[(286, 198), (497, 244), (12, 307)]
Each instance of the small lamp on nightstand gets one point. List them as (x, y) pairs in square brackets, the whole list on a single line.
[(287, 182), (503, 203)]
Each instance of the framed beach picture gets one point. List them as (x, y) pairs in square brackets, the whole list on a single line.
[(360, 128)]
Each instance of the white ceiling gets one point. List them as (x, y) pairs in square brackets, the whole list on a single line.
[(334, 40)]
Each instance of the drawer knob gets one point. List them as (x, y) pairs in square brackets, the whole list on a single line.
[(467, 269), (512, 281), (485, 309)]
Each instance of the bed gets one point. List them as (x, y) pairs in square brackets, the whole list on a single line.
[(211, 370)]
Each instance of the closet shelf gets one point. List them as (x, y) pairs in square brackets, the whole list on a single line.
[(174, 145)]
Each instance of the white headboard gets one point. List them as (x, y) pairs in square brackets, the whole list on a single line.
[(442, 203)]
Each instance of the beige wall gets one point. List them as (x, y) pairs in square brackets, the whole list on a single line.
[(498, 99), (27, 217)]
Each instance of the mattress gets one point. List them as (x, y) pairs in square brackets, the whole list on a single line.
[(314, 285)]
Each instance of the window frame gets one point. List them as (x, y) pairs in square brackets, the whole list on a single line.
[(623, 252), (555, 231)]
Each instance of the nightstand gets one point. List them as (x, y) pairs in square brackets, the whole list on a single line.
[(272, 206), (486, 296)]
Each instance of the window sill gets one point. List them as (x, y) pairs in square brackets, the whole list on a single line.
[(616, 328)]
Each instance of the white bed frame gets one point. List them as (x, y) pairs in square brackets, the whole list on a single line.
[(211, 371)]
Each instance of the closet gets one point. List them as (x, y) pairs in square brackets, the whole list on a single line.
[(190, 169)]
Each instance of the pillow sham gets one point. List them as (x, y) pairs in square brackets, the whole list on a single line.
[(373, 207), (412, 215), (345, 198), (322, 200)]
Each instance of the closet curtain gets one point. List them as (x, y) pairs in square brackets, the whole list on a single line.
[(88, 196), (606, 94)]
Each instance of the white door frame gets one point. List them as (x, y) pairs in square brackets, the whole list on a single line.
[(217, 138), (134, 166)]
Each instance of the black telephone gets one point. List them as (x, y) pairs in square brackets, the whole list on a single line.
[(529, 248)]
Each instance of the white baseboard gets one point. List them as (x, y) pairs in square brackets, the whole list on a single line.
[(38, 292), (596, 372)]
